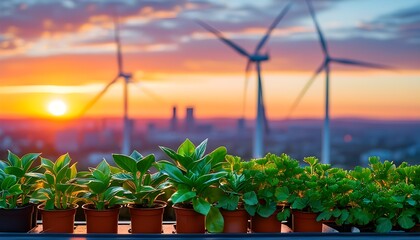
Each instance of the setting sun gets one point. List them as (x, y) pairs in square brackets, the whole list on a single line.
[(57, 107)]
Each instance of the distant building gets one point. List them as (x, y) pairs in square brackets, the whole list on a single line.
[(189, 120), (173, 126), (240, 127)]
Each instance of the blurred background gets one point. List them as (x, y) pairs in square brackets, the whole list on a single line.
[(64, 80)]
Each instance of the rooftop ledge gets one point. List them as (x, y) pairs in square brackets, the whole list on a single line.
[(169, 233)]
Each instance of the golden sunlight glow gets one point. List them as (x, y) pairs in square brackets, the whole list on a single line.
[(57, 107)]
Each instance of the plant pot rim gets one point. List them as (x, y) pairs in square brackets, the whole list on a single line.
[(179, 206), (41, 207), (18, 207), (89, 207), (160, 203)]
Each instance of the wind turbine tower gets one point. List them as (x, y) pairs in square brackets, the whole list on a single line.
[(127, 77), (325, 66), (257, 57)]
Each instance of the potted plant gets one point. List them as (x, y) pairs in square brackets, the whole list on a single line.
[(272, 179), (16, 211), (145, 211), (104, 199), (58, 194), (195, 176), (386, 198), (238, 193), (307, 196)]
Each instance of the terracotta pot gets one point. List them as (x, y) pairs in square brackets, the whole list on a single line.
[(58, 221), (17, 219), (147, 220), (236, 221), (264, 225), (101, 221), (188, 220), (305, 222)]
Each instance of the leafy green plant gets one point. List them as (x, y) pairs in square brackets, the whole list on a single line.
[(57, 188), (10, 190), (100, 190), (195, 176), (19, 167), (274, 179), (237, 188), (145, 186), (308, 193)]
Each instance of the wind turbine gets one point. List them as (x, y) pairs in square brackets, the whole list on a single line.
[(127, 77), (326, 67), (257, 57)]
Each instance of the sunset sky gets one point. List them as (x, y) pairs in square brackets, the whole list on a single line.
[(65, 50)]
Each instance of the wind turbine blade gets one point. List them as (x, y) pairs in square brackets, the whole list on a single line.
[(318, 29), (247, 71), (266, 126), (359, 63), (305, 89), (273, 25), (218, 34), (118, 43), (97, 97), (151, 94)]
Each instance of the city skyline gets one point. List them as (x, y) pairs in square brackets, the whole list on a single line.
[(64, 50)]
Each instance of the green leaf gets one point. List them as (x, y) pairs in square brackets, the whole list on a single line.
[(61, 162), (18, 172), (103, 166), (300, 203), (73, 171), (172, 171), (214, 220), (136, 155), (283, 215), (336, 212), (229, 202), (383, 225), (187, 148), (406, 222), (266, 210), (282, 193), (9, 181), (182, 195), (251, 209), (125, 162), (28, 160), (14, 190), (50, 178), (144, 164), (13, 159), (123, 177), (97, 186), (217, 156), (250, 198), (3, 165), (99, 175), (201, 206), (326, 215), (47, 164), (200, 149)]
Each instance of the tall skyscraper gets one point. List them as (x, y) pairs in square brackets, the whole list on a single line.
[(189, 119), (174, 120)]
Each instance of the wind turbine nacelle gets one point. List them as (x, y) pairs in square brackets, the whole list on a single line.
[(259, 58), (126, 75)]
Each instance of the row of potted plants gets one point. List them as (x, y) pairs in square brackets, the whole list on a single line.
[(214, 192)]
